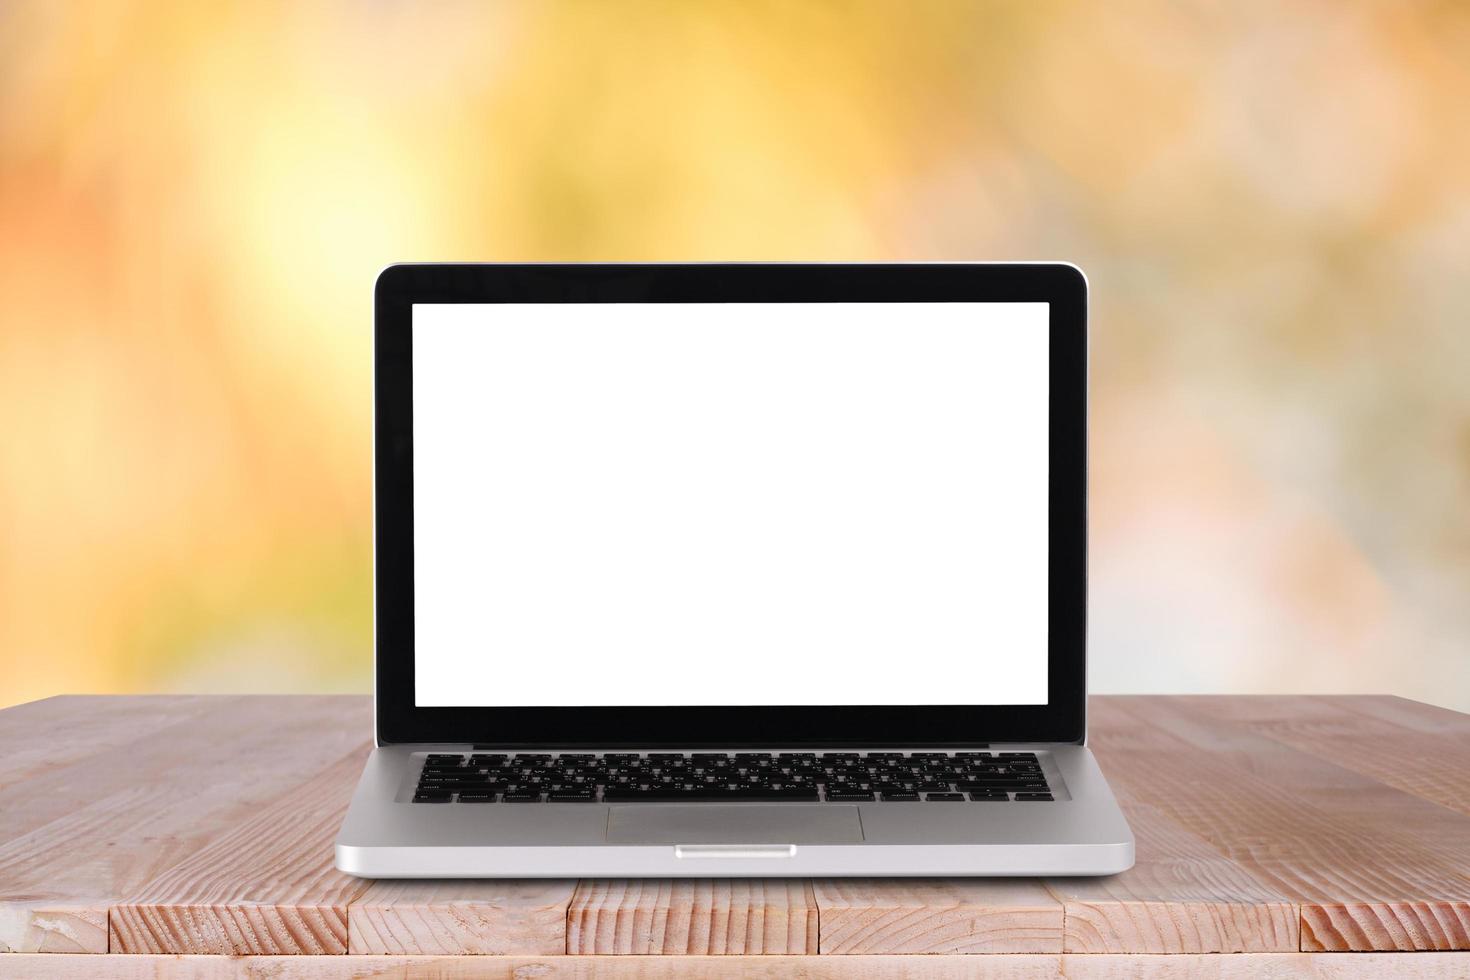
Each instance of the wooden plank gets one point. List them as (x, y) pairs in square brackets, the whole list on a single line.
[(81, 835), (715, 917), (1182, 896), (45, 926), (1414, 716), (113, 756), (207, 826), (1014, 966), (450, 917), (936, 915), (267, 884), (1370, 867), (76, 727), (1356, 734), (1413, 747), (1275, 966)]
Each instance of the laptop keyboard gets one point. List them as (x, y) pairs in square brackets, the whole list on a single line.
[(810, 777)]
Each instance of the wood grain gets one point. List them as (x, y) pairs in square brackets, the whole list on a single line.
[(1015, 966), (48, 927), (447, 917), (266, 885), (1182, 896), (1413, 747), (80, 726), (716, 917), (83, 833), (204, 825), (936, 915), (1370, 867)]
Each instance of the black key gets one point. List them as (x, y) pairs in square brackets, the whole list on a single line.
[(635, 789), (571, 797), (522, 796), (444, 757), (1047, 797), (431, 796), (989, 795), (623, 795), (848, 795), (789, 793), (926, 786), (945, 797), (477, 797), (900, 796)]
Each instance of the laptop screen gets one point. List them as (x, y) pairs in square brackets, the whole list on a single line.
[(730, 504)]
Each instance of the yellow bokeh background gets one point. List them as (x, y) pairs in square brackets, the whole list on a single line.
[(1272, 203)]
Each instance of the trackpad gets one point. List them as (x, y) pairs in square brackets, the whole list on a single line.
[(747, 823)]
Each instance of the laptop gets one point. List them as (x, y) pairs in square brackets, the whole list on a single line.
[(731, 570)]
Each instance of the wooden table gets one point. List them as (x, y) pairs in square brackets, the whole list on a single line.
[(1287, 830)]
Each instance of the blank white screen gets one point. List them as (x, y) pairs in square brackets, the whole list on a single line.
[(650, 504)]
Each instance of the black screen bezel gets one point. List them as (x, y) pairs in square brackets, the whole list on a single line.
[(400, 720)]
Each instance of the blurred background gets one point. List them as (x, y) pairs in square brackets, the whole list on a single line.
[(1272, 202)]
